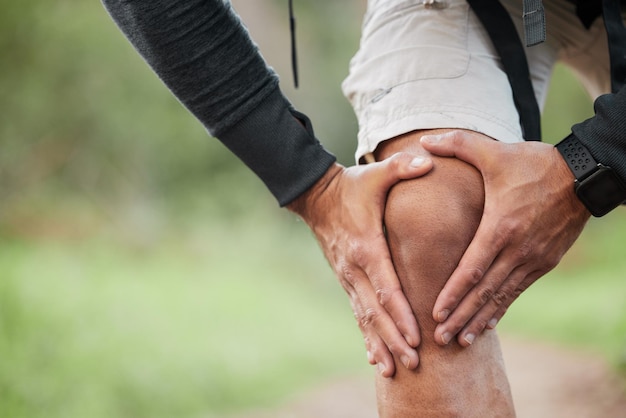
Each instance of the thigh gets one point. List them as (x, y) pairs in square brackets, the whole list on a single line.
[(429, 222)]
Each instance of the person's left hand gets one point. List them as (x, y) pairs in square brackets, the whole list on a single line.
[(530, 219)]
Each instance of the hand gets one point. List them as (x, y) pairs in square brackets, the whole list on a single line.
[(530, 219), (345, 211)]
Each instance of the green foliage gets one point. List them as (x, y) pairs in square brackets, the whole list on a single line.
[(567, 103), (83, 114), (215, 321)]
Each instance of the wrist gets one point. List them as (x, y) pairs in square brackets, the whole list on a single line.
[(597, 186), (304, 204)]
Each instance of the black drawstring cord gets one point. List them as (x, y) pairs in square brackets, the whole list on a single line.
[(294, 54)]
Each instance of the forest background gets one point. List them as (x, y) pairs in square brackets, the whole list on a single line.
[(145, 272)]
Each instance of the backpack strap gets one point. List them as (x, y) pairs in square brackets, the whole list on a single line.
[(507, 43), (534, 22), (616, 33)]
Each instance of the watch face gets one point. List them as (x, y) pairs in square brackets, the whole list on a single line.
[(601, 192)]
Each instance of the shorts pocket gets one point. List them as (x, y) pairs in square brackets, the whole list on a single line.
[(407, 43)]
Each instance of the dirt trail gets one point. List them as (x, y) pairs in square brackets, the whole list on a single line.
[(547, 382)]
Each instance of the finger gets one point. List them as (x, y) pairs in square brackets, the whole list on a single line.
[(390, 296), (487, 291), (380, 356), (377, 351), (466, 146), (478, 257), (500, 299), (400, 166), (375, 319)]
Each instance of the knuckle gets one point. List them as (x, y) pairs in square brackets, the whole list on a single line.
[(369, 317), (520, 289), (458, 137), (359, 320), (484, 295), (359, 252), (500, 297), (474, 275), (386, 295), (347, 273), (507, 229), (524, 251), (394, 161)]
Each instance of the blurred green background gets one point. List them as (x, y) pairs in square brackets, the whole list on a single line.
[(144, 272)]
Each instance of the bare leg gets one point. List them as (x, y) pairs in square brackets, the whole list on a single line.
[(430, 222)]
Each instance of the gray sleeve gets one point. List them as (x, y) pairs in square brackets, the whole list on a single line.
[(202, 52)]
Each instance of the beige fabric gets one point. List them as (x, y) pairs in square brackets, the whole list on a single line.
[(427, 66)]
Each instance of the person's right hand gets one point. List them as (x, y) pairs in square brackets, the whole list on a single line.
[(345, 211)]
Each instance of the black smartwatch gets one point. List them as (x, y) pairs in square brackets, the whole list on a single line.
[(596, 185)]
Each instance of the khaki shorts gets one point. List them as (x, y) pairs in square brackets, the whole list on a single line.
[(435, 67)]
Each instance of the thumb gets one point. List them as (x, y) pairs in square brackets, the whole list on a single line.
[(464, 145), (400, 166)]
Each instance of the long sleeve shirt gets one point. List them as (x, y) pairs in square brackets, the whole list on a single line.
[(203, 53)]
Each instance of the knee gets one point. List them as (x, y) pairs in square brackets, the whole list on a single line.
[(430, 221), (436, 213)]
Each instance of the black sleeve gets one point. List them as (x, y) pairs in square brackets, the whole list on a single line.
[(203, 53), (605, 133)]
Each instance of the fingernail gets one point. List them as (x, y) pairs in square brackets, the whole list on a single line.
[(493, 323), (417, 162), (469, 338), (443, 315), (433, 139), (446, 337), (381, 368), (370, 358), (406, 360)]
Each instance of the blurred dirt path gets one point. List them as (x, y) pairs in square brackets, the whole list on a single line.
[(547, 382)]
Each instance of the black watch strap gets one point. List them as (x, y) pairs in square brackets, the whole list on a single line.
[(577, 157), (597, 186)]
